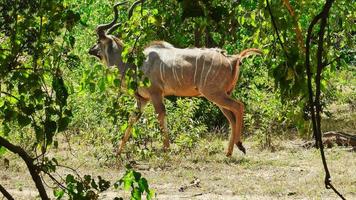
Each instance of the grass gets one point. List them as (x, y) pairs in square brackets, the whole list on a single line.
[(291, 172)]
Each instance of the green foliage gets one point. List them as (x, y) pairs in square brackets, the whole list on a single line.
[(86, 188), (89, 188), (34, 45), (133, 180)]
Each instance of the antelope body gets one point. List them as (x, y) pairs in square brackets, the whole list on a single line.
[(189, 72)]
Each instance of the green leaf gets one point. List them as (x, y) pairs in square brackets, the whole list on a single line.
[(70, 179), (150, 194), (93, 184), (60, 89), (50, 128), (117, 82), (58, 193), (135, 194), (29, 109), (102, 85), (2, 150), (103, 184), (2, 101), (63, 123), (137, 175), (71, 41), (146, 82), (128, 180), (143, 184), (23, 120), (135, 132)]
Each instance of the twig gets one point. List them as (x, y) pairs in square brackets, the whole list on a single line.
[(10, 95), (276, 29)]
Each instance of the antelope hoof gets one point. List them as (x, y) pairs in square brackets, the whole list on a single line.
[(241, 147), (119, 151), (166, 148), (228, 154), (166, 145)]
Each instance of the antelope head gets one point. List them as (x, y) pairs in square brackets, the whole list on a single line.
[(108, 47)]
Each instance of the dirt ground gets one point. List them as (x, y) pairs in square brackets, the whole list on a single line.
[(289, 172)]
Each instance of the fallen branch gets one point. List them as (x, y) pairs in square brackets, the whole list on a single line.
[(193, 183), (333, 138)]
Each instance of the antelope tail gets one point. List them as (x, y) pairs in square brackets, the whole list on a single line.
[(239, 57), (247, 52)]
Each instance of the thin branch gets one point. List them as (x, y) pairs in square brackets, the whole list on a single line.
[(56, 181), (2, 49), (10, 95), (28, 68), (5, 193), (276, 29)]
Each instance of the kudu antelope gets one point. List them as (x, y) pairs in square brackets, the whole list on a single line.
[(189, 72)]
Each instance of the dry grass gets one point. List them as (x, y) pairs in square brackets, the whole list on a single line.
[(290, 172)]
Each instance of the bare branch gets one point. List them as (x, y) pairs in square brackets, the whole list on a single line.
[(276, 29), (133, 7), (33, 169), (10, 95), (315, 106), (5, 193)]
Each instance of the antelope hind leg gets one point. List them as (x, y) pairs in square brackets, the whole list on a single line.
[(235, 108), (231, 118), (239, 124), (157, 101)]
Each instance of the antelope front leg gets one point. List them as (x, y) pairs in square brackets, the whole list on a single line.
[(132, 120), (134, 117)]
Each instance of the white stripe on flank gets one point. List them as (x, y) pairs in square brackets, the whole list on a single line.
[(181, 72), (196, 67), (218, 69), (174, 68), (175, 74), (164, 70), (206, 75), (202, 71), (160, 70)]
